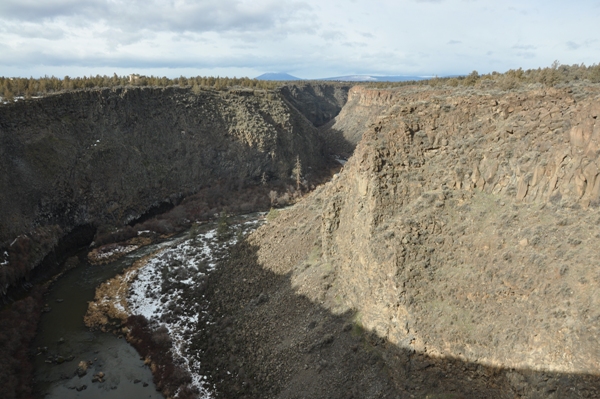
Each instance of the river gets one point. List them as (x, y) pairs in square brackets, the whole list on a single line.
[(64, 341), (63, 333)]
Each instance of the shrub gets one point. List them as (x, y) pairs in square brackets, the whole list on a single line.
[(155, 344), (124, 234), (223, 228), (272, 215)]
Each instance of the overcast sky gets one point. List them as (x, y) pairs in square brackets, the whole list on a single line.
[(307, 38)]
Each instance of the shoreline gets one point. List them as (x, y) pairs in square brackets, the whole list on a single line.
[(158, 304)]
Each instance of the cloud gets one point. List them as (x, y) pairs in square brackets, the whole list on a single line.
[(312, 38), (526, 54), (160, 15), (525, 51), (524, 47), (29, 30), (354, 44), (32, 10), (571, 45), (332, 35)]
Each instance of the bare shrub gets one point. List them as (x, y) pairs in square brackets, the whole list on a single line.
[(159, 226), (284, 199), (119, 235), (161, 337), (155, 344), (273, 197)]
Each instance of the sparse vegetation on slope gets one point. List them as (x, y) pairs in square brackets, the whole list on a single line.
[(453, 255), (105, 157), (463, 227)]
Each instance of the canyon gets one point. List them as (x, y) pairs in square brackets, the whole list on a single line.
[(78, 161), (452, 256)]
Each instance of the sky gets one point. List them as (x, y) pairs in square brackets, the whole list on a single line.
[(306, 38)]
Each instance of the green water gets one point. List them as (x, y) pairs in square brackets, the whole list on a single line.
[(63, 333)]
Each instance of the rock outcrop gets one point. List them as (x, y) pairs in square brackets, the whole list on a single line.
[(107, 156), (465, 226)]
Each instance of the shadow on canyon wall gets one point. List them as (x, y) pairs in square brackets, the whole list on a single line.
[(319, 103), (335, 142), (263, 340), (107, 157)]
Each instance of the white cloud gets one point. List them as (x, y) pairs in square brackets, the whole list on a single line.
[(308, 38), (332, 35), (524, 47), (160, 15)]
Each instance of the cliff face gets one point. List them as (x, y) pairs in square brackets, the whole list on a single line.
[(464, 226), (319, 103), (363, 108), (107, 156)]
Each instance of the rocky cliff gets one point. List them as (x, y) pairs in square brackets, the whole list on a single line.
[(107, 156), (318, 102), (363, 108), (465, 226)]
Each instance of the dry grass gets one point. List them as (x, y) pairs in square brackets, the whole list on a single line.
[(112, 252), (110, 301)]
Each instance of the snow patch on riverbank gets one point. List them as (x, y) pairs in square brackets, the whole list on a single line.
[(166, 286), (118, 250)]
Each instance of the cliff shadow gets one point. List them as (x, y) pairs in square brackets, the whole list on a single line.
[(261, 339), (335, 142), (318, 102)]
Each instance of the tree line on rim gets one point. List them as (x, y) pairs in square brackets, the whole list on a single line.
[(32, 87), (513, 79)]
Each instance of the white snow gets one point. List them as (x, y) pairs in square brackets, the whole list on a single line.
[(182, 262), (6, 256), (117, 250)]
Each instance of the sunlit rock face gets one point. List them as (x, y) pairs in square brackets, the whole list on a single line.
[(465, 226)]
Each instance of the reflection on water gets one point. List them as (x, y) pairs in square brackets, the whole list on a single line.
[(64, 342)]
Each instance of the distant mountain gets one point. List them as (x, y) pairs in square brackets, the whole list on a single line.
[(374, 78), (277, 76), (348, 78)]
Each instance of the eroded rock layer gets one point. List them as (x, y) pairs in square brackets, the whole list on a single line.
[(465, 226)]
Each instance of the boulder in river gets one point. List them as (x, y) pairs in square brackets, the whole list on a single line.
[(82, 368)]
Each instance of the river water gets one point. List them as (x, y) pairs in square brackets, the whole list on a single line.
[(63, 333), (65, 341)]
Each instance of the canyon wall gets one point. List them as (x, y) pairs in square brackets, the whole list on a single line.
[(465, 226), (318, 102), (363, 108), (106, 156)]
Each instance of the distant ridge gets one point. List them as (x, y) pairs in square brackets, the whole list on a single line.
[(348, 78), (373, 78), (277, 76)]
